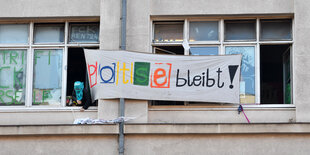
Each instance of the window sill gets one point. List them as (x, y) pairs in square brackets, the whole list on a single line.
[(222, 107), (45, 109)]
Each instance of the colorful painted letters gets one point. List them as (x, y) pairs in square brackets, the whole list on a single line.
[(139, 74)]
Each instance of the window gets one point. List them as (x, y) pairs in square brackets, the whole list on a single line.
[(247, 79), (14, 33), (168, 32), (47, 74), (203, 31), (49, 33), (212, 50), (43, 80), (276, 29), (84, 33), (266, 62), (13, 76), (240, 30)]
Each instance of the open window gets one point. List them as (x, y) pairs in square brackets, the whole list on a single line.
[(275, 74), (76, 70)]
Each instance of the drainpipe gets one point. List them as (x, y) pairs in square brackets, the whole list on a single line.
[(121, 137)]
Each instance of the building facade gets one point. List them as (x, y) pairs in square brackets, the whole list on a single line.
[(41, 55)]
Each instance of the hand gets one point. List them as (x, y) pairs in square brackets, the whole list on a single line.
[(82, 109), (79, 102)]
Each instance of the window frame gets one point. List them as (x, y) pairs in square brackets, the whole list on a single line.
[(80, 23), (222, 43), (30, 47), (46, 25)]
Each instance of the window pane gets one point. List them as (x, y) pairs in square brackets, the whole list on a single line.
[(14, 33), (168, 32), (276, 29), (12, 77), (47, 33), (47, 77), (247, 81), (203, 31), (240, 30), (203, 50), (84, 33)]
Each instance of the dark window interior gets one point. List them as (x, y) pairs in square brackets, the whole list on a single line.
[(76, 68), (275, 74), (174, 50)]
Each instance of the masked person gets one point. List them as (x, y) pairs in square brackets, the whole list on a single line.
[(80, 95)]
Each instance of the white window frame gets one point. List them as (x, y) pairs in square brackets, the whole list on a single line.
[(222, 44), (30, 47)]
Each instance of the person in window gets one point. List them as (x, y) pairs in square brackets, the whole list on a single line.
[(81, 96)]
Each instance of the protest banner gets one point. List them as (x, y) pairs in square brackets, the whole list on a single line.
[(123, 74)]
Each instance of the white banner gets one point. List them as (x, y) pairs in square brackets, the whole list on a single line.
[(122, 74)]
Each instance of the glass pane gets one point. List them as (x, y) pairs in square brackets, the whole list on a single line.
[(276, 29), (44, 33), (47, 77), (168, 32), (204, 50), (203, 31), (12, 77), (247, 81), (240, 30), (84, 33), (14, 33)]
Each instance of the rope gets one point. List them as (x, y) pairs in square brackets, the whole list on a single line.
[(240, 109)]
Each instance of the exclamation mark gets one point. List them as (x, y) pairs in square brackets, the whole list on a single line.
[(232, 72)]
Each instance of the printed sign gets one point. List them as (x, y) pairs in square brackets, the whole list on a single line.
[(122, 74)]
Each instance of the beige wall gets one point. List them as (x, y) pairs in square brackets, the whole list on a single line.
[(218, 7), (301, 63), (32, 117), (149, 139), (60, 145), (48, 8), (254, 144)]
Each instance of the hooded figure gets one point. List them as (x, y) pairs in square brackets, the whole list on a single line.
[(80, 95), (78, 88)]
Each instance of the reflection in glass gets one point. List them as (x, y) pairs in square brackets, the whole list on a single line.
[(47, 33), (240, 30), (47, 77), (12, 77), (247, 80), (203, 50), (168, 32), (14, 33), (276, 30), (203, 31)]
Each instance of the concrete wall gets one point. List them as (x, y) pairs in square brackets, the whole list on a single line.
[(48, 8), (301, 63), (254, 144), (218, 7), (23, 117), (154, 139), (60, 145)]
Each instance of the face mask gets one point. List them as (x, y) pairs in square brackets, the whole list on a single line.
[(78, 88)]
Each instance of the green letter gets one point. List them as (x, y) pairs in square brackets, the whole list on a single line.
[(141, 75)]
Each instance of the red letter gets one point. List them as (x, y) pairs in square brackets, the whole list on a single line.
[(91, 74), (161, 73)]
